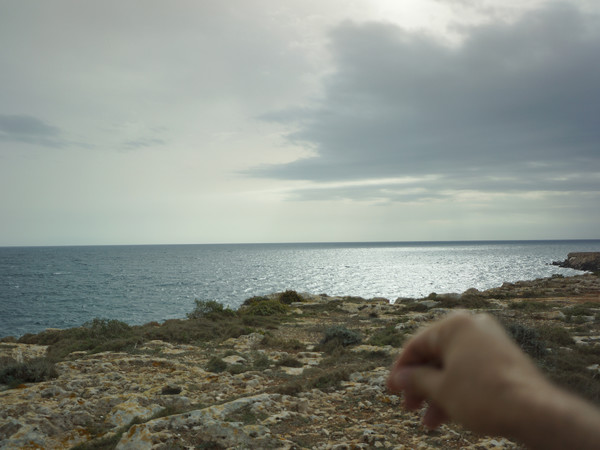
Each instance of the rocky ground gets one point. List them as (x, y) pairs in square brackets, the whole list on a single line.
[(300, 371)]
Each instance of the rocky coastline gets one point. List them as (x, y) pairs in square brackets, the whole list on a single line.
[(588, 261), (288, 370)]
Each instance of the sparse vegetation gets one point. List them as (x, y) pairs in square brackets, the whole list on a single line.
[(216, 365), (265, 307), (527, 306), (387, 336), (39, 369), (527, 338), (332, 327), (286, 345), (261, 361), (210, 309), (338, 336), (555, 335), (414, 306), (288, 297), (466, 300), (289, 361)]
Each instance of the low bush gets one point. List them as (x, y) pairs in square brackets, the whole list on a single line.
[(288, 297), (466, 300), (266, 307), (260, 361), (289, 361), (527, 306), (334, 369), (387, 336), (316, 310), (533, 293), (95, 336), (555, 334), (235, 369), (527, 338), (568, 368), (216, 365), (210, 309), (197, 330), (342, 335), (105, 328), (256, 299), (583, 309), (285, 345), (328, 379), (33, 371), (414, 306)]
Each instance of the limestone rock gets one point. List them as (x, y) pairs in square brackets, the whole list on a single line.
[(589, 261)]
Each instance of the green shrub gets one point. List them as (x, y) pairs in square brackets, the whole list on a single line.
[(285, 345), (289, 361), (528, 306), (197, 330), (579, 310), (533, 293), (260, 361), (527, 338), (267, 307), (216, 365), (387, 336), (256, 299), (288, 297), (209, 309), (235, 369), (105, 328), (328, 379), (468, 301), (555, 334), (95, 336), (414, 307), (567, 367), (293, 387), (337, 337), (33, 371)]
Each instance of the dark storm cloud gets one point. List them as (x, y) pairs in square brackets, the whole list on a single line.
[(28, 129), (515, 106)]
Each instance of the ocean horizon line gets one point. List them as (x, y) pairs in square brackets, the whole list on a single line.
[(336, 243)]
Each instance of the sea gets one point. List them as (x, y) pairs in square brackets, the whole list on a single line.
[(62, 287)]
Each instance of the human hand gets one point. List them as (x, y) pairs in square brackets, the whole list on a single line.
[(469, 371)]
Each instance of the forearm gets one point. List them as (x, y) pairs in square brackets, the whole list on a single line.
[(550, 418)]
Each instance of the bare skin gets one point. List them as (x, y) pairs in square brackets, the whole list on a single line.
[(469, 371)]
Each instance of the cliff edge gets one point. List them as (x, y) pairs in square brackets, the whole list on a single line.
[(589, 261)]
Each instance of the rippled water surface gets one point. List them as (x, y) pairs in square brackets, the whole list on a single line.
[(60, 287)]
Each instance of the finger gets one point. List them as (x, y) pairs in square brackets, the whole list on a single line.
[(412, 401), (434, 416), (419, 381), (399, 379), (421, 349)]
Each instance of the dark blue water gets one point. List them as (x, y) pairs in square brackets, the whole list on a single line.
[(59, 287)]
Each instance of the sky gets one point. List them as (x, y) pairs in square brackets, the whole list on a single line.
[(242, 121)]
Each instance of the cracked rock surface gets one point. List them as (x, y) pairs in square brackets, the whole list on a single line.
[(280, 387)]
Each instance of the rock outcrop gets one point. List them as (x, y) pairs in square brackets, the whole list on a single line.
[(588, 261), (278, 387)]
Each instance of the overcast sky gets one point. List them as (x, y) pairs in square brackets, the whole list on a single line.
[(142, 122)]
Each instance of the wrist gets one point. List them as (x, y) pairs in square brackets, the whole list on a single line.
[(550, 418)]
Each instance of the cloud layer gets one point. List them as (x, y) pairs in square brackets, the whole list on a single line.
[(515, 106), (28, 129)]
